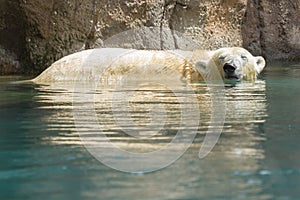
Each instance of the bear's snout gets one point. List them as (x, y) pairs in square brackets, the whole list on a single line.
[(232, 71), (229, 68)]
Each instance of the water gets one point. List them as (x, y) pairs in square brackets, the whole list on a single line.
[(256, 157)]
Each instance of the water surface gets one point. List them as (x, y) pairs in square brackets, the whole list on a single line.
[(256, 157)]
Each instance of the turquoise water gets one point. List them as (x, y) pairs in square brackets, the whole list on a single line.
[(256, 157)]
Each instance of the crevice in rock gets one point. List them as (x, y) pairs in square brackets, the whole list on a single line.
[(169, 9), (172, 28), (261, 25), (91, 36), (253, 27), (162, 24), (13, 37)]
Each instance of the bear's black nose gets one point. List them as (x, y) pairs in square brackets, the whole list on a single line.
[(229, 68)]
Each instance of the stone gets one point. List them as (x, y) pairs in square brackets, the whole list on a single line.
[(39, 32)]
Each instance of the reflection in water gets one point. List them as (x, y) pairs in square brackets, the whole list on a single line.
[(246, 113), (155, 112), (153, 115)]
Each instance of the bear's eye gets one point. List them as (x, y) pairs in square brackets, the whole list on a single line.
[(222, 57), (244, 57)]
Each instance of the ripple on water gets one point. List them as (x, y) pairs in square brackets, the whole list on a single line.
[(43, 153)]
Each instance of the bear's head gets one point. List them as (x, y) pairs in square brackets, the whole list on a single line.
[(234, 63)]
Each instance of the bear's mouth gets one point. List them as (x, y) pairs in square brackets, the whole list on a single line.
[(232, 77)]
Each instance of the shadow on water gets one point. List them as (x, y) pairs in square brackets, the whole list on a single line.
[(42, 152)]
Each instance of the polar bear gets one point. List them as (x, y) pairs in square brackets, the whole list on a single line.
[(234, 63)]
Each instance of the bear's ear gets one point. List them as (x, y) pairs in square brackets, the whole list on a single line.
[(260, 64), (201, 67)]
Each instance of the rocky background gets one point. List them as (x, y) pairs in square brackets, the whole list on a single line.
[(35, 33)]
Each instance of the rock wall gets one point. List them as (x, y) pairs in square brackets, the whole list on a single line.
[(272, 28), (12, 44), (34, 33)]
